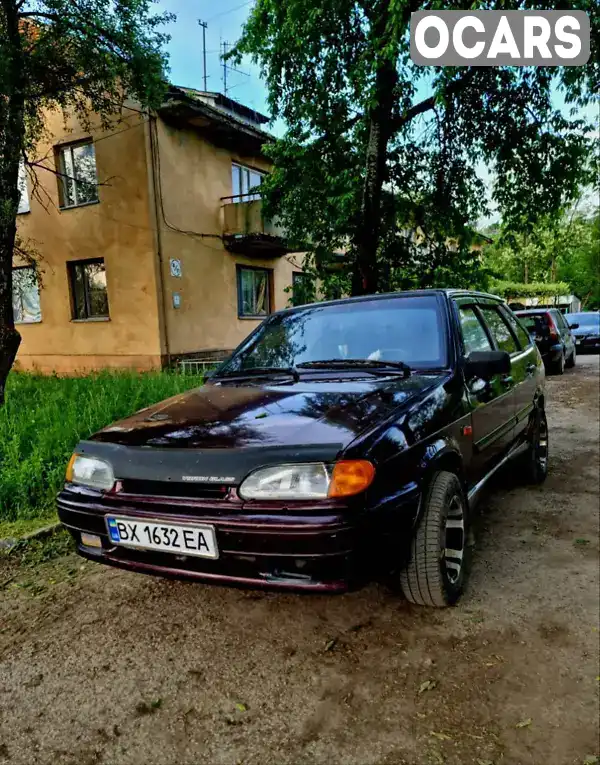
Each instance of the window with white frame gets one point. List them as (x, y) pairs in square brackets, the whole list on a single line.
[(23, 192), (26, 296), (78, 177), (244, 182)]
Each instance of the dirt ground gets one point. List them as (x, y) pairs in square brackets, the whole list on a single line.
[(101, 667)]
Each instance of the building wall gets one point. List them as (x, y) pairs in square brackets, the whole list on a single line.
[(194, 176), (120, 229), (191, 175)]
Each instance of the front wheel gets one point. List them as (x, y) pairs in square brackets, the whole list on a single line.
[(535, 459), (572, 360), (435, 574)]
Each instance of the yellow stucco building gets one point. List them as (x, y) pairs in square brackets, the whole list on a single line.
[(151, 241)]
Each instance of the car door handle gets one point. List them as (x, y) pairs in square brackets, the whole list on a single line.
[(507, 380)]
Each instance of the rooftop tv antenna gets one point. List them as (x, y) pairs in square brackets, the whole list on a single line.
[(227, 68), (204, 25)]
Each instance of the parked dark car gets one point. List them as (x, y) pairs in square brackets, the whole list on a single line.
[(586, 329), (553, 336), (340, 442)]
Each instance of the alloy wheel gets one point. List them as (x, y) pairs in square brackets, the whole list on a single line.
[(541, 444), (454, 540)]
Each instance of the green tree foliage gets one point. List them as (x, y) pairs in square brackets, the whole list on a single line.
[(564, 248), (75, 55), (380, 155), (579, 262)]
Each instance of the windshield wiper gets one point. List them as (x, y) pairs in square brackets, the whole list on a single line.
[(370, 365), (261, 372)]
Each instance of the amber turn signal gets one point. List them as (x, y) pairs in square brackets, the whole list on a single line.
[(350, 477), (69, 476)]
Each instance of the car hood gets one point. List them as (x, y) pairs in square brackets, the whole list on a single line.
[(234, 416), (585, 331), (220, 433)]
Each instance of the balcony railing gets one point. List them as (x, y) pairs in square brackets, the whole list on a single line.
[(246, 230)]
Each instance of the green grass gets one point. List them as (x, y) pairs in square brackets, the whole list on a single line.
[(44, 418), (20, 528), (32, 552), (39, 564)]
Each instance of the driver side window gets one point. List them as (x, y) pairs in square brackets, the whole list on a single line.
[(474, 335)]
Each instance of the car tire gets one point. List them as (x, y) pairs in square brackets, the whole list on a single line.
[(572, 360), (535, 459), (558, 367), (435, 574)]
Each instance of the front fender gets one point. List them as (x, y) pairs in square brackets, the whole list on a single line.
[(407, 476)]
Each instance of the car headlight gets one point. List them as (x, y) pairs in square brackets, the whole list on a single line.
[(90, 471), (308, 481)]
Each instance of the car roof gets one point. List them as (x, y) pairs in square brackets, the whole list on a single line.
[(522, 312), (449, 293)]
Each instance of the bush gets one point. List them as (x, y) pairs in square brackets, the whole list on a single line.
[(44, 418), (534, 289)]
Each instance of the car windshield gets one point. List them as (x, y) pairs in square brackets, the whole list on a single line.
[(402, 329), (591, 320)]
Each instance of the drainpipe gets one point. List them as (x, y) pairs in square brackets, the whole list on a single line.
[(152, 144)]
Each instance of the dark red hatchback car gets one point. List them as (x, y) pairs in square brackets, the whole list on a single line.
[(340, 442)]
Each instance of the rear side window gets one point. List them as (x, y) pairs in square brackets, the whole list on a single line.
[(559, 320), (473, 332), (522, 336), (499, 329)]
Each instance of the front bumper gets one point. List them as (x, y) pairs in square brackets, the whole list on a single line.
[(590, 343), (328, 551)]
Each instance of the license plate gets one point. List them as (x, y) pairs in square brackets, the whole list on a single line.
[(166, 537), (577, 342)]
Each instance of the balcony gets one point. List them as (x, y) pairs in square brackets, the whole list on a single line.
[(247, 232)]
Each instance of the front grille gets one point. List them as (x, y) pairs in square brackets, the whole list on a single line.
[(174, 489), (287, 544)]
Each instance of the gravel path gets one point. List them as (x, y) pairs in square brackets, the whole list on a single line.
[(101, 667)]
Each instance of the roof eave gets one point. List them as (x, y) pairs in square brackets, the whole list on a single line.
[(182, 108)]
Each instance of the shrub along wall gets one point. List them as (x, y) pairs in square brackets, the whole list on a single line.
[(512, 290)]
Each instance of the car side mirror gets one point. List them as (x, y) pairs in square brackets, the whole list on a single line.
[(573, 326), (487, 364)]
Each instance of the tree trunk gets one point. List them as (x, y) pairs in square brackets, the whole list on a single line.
[(9, 337), (365, 276), (11, 143)]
